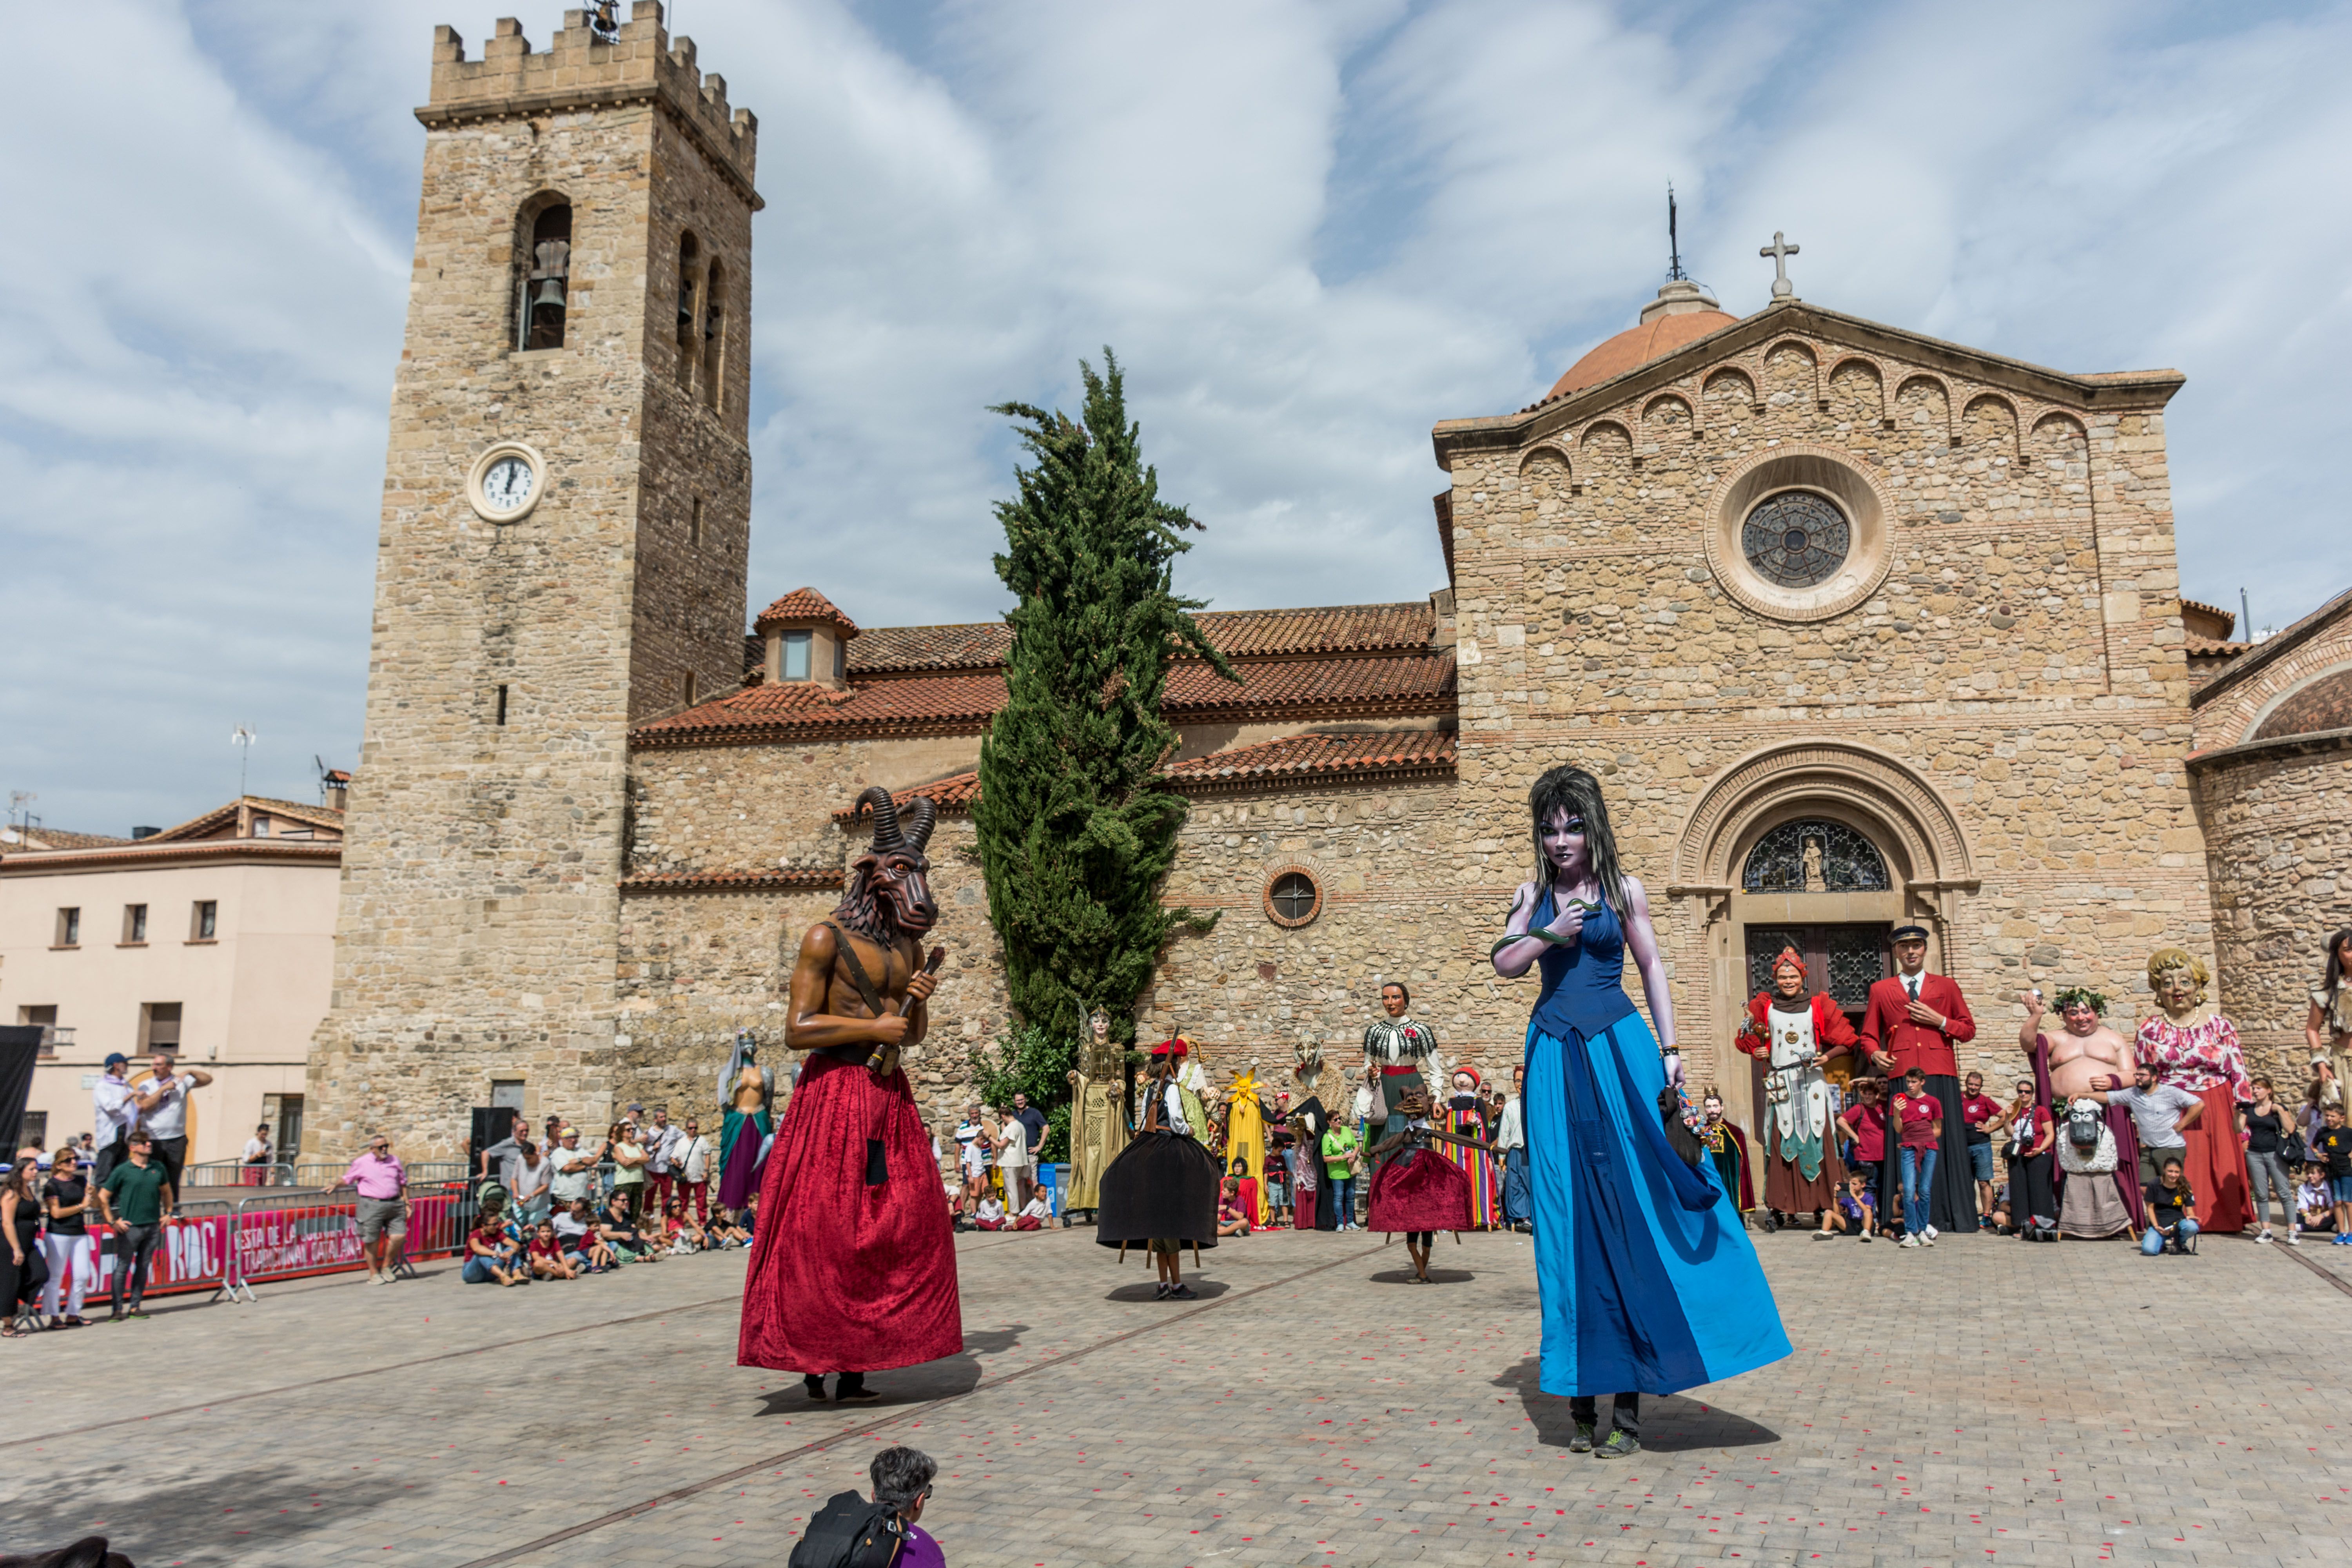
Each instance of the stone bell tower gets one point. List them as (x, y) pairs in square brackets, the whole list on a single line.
[(566, 514)]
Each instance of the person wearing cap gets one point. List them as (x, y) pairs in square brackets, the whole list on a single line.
[(1913, 1019), (116, 1110)]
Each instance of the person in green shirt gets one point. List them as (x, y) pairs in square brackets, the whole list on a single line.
[(1339, 1161), (135, 1200)]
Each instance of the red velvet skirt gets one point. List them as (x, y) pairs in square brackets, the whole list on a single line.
[(1420, 1190), (2217, 1166), (846, 1277)]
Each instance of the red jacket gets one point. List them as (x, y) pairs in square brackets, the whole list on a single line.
[(1886, 1025), (1832, 1036)]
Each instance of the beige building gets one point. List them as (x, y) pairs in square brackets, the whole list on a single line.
[(1857, 626), (212, 939)]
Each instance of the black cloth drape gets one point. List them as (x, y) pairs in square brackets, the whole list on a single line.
[(20, 1048)]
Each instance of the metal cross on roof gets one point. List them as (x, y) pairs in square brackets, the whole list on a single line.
[(1780, 250)]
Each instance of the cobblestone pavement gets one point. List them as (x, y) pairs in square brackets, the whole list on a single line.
[(1985, 1400)]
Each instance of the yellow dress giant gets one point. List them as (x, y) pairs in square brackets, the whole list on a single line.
[(1097, 1121), (1246, 1135)]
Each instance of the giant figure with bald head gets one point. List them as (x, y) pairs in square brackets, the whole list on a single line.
[(852, 1268)]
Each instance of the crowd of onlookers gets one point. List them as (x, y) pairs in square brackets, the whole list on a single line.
[(564, 1206)]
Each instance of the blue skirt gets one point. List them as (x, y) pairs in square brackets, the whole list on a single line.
[(1647, 1279)]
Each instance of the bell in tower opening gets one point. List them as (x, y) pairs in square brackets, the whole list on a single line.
[(550, 271)]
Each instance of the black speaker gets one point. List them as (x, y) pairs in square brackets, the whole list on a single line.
[(492, 1124)]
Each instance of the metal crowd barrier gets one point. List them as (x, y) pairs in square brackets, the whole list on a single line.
[(276, 1239), (236, 1174), (194, 1253)]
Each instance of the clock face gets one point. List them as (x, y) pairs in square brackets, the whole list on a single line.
[(508, 484)]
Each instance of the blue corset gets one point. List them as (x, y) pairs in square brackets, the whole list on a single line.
[(1583, 985)]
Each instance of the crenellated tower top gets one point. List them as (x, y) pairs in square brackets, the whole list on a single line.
[(580, 71)]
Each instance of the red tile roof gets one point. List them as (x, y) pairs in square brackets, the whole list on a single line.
[(1410, 753), (807, 604), (1320, 756), (2213, 648), (963, 703), (797, 878), (58, 839), (1237, 634)]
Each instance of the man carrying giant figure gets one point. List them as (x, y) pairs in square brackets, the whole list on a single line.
[(853, 1264), (1792, 1034), (1913, 1020)]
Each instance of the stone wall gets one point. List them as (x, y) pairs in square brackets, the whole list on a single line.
[(2019, 663), (481, 901), (2280, 840)]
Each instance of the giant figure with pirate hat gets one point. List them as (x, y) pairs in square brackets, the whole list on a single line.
[(852, 1266), (1161, 1193)]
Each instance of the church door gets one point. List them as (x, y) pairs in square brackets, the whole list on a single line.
[(1843, 960)]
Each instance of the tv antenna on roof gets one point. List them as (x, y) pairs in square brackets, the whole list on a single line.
[(242, 738), (1675, 273)]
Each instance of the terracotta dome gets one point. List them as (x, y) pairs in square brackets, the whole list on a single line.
[(2323, 704), (1634, 346)]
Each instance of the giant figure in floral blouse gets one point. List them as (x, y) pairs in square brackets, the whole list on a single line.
[(2193, 1047)]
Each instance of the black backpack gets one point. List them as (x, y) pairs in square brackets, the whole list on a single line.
[(849, 1531)]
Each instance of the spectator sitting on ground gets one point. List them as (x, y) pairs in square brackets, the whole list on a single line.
[(547, 1258), (628, 1242), (2171, 1212), (1231, 1221), (725, 1232), (685, 1236), (585, 1239), (490, 1255), (1856, 1212), (1034, 1213), (991, 1214), (2314, 1203)]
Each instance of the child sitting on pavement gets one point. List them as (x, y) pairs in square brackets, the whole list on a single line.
[(1855, 1213), (547, 1258)]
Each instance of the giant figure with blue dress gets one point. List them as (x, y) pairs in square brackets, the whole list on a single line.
[(1647, 1280)]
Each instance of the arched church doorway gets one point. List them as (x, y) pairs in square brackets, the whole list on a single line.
[(1821, 846)]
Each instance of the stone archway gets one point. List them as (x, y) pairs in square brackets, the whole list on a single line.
[(1914, 828)]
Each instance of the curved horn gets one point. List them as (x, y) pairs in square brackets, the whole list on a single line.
[(886, 834), (925, 812)]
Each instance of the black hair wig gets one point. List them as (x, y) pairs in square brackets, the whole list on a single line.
[(1571, 789)]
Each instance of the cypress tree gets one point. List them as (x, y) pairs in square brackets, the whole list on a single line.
[(1076, 827)]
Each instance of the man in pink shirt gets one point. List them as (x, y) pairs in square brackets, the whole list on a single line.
[(382, 1183)]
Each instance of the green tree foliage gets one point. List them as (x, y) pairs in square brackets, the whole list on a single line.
[(1076, 828), (1028, 1060)]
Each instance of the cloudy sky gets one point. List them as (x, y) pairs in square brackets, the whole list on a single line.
[(1309, 230)]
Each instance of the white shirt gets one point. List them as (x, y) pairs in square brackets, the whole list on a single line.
[(694, 1158), (661, 1145), (1514, 1132), (975, 1159), (115, 1114), (1016, 1145), (256, 1151), (169, 1118), (1175, 1112), (1037, 1208), (991, 1209)]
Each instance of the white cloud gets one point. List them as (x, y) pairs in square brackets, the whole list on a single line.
[(1310, 230)]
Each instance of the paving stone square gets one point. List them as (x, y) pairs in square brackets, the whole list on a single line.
[(1982, 1402)]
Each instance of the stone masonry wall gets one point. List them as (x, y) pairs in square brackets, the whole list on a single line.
[(2279, 842), (481, 901), (2022, 657)]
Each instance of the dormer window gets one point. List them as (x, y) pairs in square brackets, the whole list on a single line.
[(806, 640), (261, 828)]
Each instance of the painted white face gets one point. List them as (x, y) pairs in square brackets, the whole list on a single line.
[(1565, 845)]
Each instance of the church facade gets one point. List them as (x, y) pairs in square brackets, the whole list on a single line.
[(1857, 627)]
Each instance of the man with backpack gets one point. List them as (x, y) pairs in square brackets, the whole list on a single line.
[(850, 1532)]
